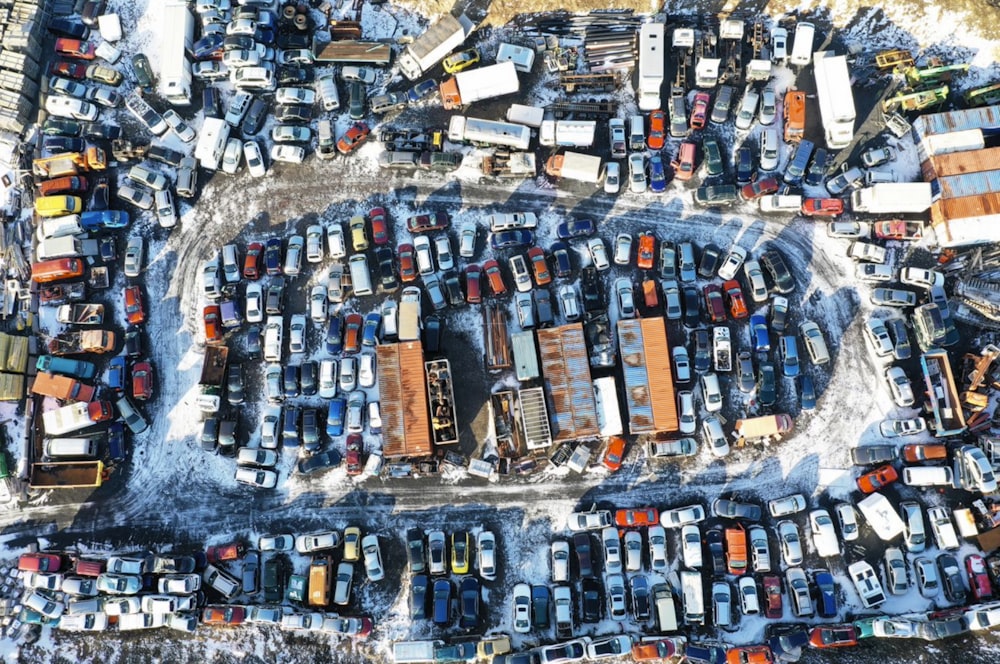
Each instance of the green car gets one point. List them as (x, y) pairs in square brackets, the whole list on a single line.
[(143, 72), (713, 157), (864, 627)]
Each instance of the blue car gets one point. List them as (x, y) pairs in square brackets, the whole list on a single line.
[(116, 374), (116, 442), (657, 175), (561, 259), (369, 333), (704, 653), (272, 256), (335, 417), (826, 595), (807, 392), (334, 335), (421, 90), (576, 228), (759, 333), (94, 220), (510, 239), (442, 602)]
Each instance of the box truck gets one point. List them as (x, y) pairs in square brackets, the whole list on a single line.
[(478, 84), (76, 416), (892, 197), (575, 166)]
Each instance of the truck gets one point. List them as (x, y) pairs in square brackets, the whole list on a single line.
[(178, 40), (881, 516), (82, 341), (836, 98), (80, 314), (66, 246), (575, 166), (213, 378), (507, 164), (765, 426), (478, 84), (942, 394), (409, 314), (736, 549), (567, 133), (211, 143), (481, 132), (415, 652), (440, 39), (441, 396), (415, 140), (70, 163), (66, 366), (652, 63), (722, 349), (63, 388), (66, 475), (76, 416), (892, 198)]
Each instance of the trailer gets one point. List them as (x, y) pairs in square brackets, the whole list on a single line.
[(498, 348), (534, 420), (531, 116), (836, 98), (66, 246), (76, 416), (763, 427), (63, 388), (478, 84), (652, 63), (605, 82), (481, 132), (177, 41), (575, 166), (525, 356), (440, 39), (609, 413), (722, 349), (82, 341), (409, 314), (892, 198), (441, 397), (80, 314), (213, 378), (942, 394), (505, 163), (567, 133), (522, 57), (66, 475)]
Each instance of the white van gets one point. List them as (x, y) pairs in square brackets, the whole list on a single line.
[(361, 278), (876, 177), (781, 203), (637, 133), (52, 227), (56, 448), (694, 598), (664, 609), (802, 47), (927, 476), (326, 86)]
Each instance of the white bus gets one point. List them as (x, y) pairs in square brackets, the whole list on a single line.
[(178, 40), (836, 99), (652, 60), (488, 132)]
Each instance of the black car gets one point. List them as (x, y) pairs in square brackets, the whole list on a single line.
[(386, 269), (593, 600), (289, 75), (307, 378), (291, 40), (65, 27), (418, 596), (273, 578), (238, 42), (951, 578), (639, 587), (590, 288), (733, 509), (210, 103), (562, 266), (100, 199), (415, 551), (468, 594), (432, 334), (290, 381), (767, 390), (254, 343), (511, 239), (61, 127), (453, 289), (98, 131), (290, 428), (356, 104), (52, 145), (210, 434), (310, 429), (709, 261), (541, 598), (334, 338), (92, 9), (713, 538), (817, 169), (108, 249), (702, 350), (871, 454), (234, 385), (165, 155), (584, 557), (254, 119), (320, 461), (692, 306), (774, 263), (293, 113), (133, 341), (744, 166)]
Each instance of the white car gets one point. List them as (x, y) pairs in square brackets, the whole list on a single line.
[(314, 243), (788, 505), (598, 253), (568, 303), (335, 244), (798, 591), (467, 242), (312, 622), (791, 545), (559, 552), (672, 299), (711, 430), (636, 173), (682, 364), (254, 303), (755, 280), (656, 537), (760, 550), (290, 154), (167, 603), (626, 298), (84, 622), (878, 337), (297, 334), (302, 96), (366, 371), (133, 256), (593, 520), (633, 551), (848, 229), (293, 256), (722, 603), (317, 304), (486, 553), (257, 477), (612, 550), (686, 412), (623, 249), (348, 374), (746, 588), (848, 519), (615, 584), (373, 558), (896, 579), (521, 604), (442, 247), (318, 541), (281, 543), (166, 213), (612, 177), (921, 278), (240, 57), (824, 536), (899, 386), (327, 379), (896, 628), (682, 516), (423, 255), (768, 107), (364, 75), (899, 428), (985, 616), (734, 261), (43, 580), (175, 122), (691, 550), (876, 272), (865, 251)]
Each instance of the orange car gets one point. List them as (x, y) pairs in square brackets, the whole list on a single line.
[(495, 277), (637, 516), (539, 266), (651, 651), (657, 130), (223, 615), (878, 478), (614, 454), (134, 311), (917, 452), (647, 250), (737, 305), (750, 655), (407, 267), (212, 317), (352, 140), (822, 207)]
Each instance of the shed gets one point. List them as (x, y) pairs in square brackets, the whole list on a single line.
[(406, 428), (566, 371)]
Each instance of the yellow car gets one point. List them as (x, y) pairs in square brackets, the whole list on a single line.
[(352, 542), (461, 61), (460, 553)]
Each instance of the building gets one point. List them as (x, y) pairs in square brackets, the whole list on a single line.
[(649, 380), (566, 373), (406, 430)]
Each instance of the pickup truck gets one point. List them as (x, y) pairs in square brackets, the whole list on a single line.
[(736, 550)]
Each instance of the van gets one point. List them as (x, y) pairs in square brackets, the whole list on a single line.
[(723, 100), (781, 203), (664, 609), (319, 581), (927, 476), (61, 448), (914, 533), (798, 162), (710, 392), (326, 146), (361, 280), (802, 47), (58, 206), (187, 177), (92, 568), (694, 599), (637, 133), (59, 227), (44, 272), (794, 114), (326, 86)]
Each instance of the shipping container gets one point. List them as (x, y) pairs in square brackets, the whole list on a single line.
[(966, 220), (525, 355), (967, 184), (958, 163), (403, 397), (954, 121), (566, 372), (66, 475)]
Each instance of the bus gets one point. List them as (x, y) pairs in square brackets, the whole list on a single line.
[(836, 99), (652, 58)]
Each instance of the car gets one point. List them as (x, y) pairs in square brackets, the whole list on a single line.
[(637, 173), (788, 505), (321, 541), (789, 543), (686, 412), (134, 309), (878, 337), (873, 157), (927, 577), (876, 479), (824, 536), (460, 555), (877, 272), (592, 520), (833, 636), (951, 576), (774, 263), (722, 604), (699, 110), (577, 227), (541, 600), (758, 188), (734, 296), (714, 305), (893, 297), (921, 278), (682, 516), (672, 299), (848, 520), (521, 604), (899, 386), (872, 454), (979, 578), (657, 174), (598, 253), (637, 517), (626, 301), (731, 509), (353, 138)]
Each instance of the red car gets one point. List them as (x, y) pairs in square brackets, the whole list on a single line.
[(772, 597), (613, 456), (407, 264), (212, 318), (68, 69), (822, 207), (833, 636), (762, 187), (539, 266), (352, 333), (76, 48), (657, 130), (713, 303), (380, 230), (142, 380), (251, 264), (354, 443), (39, 562), (223, 615), (494, 277), (134, 311), (224, 552), (473, 290), (878, 478), (734, 294), (424, 223), (979, 578), (352, 140), (699, 111), (637, 516)]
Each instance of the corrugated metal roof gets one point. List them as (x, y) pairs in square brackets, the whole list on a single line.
[(970, 184), (534, 418), (649, 384), (958, 163), (966, 220), (566, 370), (942, 123), (640, 411), (525, 355), (661, 377), (406, 430), (355, 51)]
